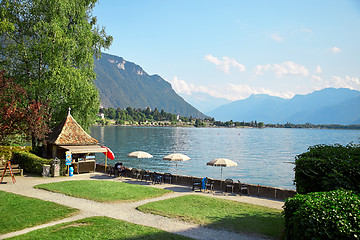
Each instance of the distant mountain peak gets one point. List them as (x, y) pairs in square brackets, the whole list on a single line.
[(326, 106), (125, 84)]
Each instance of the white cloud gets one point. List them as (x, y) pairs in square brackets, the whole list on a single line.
[(229, 91), (276, 37), (317, 79), (347, 82), (225, 63), (287, 68), (337, 82), (180, 86), (318, 69), (260, 69), (335, 50), (242, 91)]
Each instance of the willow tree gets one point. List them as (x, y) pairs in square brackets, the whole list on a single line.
[(48, 47)]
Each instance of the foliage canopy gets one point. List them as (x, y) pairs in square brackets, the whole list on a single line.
[(327, 168), (139, 115), (323, 215), (18, 114), (47, 47)]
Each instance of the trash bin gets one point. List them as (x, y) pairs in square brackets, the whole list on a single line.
[(71, 171), (56, 168), (46, 171)]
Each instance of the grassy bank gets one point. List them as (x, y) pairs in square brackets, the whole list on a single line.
[(220, 214), (99, 228), (103, 191), (19, 212)]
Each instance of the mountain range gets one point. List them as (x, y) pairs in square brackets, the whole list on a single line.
[(326, 106), (204, 102), (124, 84)]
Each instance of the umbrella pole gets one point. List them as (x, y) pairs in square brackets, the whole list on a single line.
[(221, 178), (105, 162), (139, 163), (176, 173)]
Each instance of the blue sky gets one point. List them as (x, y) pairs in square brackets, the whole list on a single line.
[(232, 49)]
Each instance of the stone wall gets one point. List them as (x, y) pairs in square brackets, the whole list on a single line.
[(253, 190)]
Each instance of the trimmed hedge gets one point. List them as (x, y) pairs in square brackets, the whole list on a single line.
[(327, 168), (6, 152), (30, 162), (323, 215)]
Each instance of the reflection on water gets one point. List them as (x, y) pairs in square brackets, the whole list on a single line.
[(263, 156)]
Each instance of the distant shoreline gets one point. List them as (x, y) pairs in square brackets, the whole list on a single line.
[(294, 126)]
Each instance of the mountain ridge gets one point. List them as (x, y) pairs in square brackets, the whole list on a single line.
[(124, 84), (326, 106)]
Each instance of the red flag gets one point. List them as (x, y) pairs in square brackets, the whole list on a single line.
[(109, 153)]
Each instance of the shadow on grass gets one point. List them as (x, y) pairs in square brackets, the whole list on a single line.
[(270, 225), (136, 181), (179, 188), (99, 228)]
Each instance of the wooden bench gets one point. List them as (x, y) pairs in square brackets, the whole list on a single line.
[(15, 167)]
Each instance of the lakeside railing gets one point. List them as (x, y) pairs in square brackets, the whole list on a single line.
[(253, 189)]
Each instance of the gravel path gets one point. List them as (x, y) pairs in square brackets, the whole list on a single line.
[(127, 211)]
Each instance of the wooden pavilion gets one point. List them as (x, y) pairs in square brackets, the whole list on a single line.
[(69, 137)]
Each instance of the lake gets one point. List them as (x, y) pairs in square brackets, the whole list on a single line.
[(264, 156)]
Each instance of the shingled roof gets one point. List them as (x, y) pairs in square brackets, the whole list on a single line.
[(69, 132)]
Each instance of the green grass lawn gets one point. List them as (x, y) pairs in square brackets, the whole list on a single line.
[(104, 191), (99, 228), (19, 212), (220, 214)]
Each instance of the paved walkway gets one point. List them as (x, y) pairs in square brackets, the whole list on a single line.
[(127, 211)]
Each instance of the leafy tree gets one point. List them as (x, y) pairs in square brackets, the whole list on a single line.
[(5, 25), (19, 115), (147, 111), (12, 98), (111, 113), (48, 46), (162, 114), (327, 168), (156, 114), (130, 111), (199, 123), (184, 119)]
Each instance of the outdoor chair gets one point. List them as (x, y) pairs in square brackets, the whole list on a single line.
[(144, 175), (229, 184), (111, 171), (167, 176), (135, 173), (196, 183), (121, 172), (200, 184), (243, 187), (209, 185), (156, 178)]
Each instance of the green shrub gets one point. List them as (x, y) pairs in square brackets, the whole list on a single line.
[(30, 162), (6, 152), (323, 215), (327, 168)]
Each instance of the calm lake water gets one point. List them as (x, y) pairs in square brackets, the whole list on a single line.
[(264, 156)]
